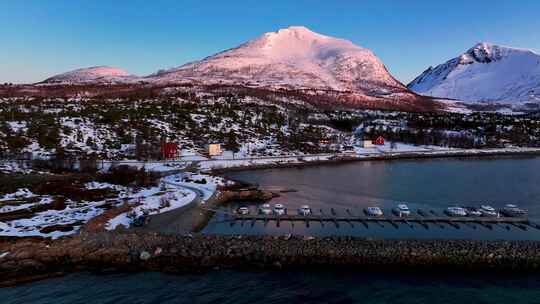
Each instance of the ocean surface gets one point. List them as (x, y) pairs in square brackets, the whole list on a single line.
[(277, 287), (431, 185)]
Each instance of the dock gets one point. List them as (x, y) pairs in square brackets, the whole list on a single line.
[(433, 218)]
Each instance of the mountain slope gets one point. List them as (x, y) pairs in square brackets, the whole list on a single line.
[(485, 73), (292, 58), (319, 69), (97, 74)]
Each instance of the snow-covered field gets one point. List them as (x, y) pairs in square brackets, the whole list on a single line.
[(74, 214), (153, 201), (259, 161), (359, 153), (14, 167), (398, 148), (174, 192)]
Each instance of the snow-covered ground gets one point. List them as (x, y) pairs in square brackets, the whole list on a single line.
[(204, 185), (259, 161), (174, 192), (75, 213), (8, 167), (359, 152), (398, 148), (153, 201)]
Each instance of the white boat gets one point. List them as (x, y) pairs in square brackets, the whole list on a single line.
[(374, 211), (473, 211), (512, 210), (455, 211), (304, 210), (279, 209), (402, 210), (488, 211), (265, 209), (243, 210)]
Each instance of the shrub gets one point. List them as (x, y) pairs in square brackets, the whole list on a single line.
[(129, 176)]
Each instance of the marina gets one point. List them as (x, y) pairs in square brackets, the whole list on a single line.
[(422, 218)]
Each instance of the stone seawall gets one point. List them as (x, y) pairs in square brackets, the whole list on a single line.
[(22, 260)]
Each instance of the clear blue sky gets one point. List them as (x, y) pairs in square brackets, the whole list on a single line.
[(42, 38)]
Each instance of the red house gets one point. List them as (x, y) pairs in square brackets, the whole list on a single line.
[(379, 141), (169, 150)]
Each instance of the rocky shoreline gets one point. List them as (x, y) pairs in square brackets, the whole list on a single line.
[(24, 260)]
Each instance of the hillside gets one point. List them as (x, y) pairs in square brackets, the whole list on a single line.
[(97, 74), (322, 70), (485, 73)]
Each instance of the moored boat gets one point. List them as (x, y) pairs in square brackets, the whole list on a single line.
[(455, 211), (512, 210), (279, 209), (472, 211), (488, 211), (304, 210), (243, 210), (401, 210), (265, 209), (374, 211)]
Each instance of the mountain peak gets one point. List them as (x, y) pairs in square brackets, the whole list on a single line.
[(298, 32), (296, 29), (484, 73), (293, 57), (304, 34), (485, 52)]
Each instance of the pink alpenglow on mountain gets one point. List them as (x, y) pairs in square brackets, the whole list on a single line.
[(292, 58), (96, 74), (326, 71)]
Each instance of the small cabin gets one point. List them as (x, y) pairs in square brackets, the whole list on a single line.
[(214, 149), (169, 150), (367, 144), (379, 141)]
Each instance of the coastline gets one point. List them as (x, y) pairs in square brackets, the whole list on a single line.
[(155, 249), (199, 253), (341, 159)]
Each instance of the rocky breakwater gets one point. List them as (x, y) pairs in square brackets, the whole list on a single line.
[(29, 259), (247, 194)]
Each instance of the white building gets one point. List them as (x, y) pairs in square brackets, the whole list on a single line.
[(367, 144), (214, 149)]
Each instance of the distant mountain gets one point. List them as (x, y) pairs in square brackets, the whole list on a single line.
[(97, 74), (485, 73), (292, 58), (324, 70)]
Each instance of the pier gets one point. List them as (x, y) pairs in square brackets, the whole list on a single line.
[(423, 219)]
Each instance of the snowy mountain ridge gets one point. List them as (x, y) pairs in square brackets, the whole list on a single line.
[(484, 73), (96, 74), (294, 57), (326, 71)]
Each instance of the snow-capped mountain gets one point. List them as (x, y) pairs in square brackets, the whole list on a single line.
[(294, 57), (97, 74), (326, 71), (485, 73)]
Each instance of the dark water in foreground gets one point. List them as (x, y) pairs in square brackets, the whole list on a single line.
[(432, 184), (277, 287)]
